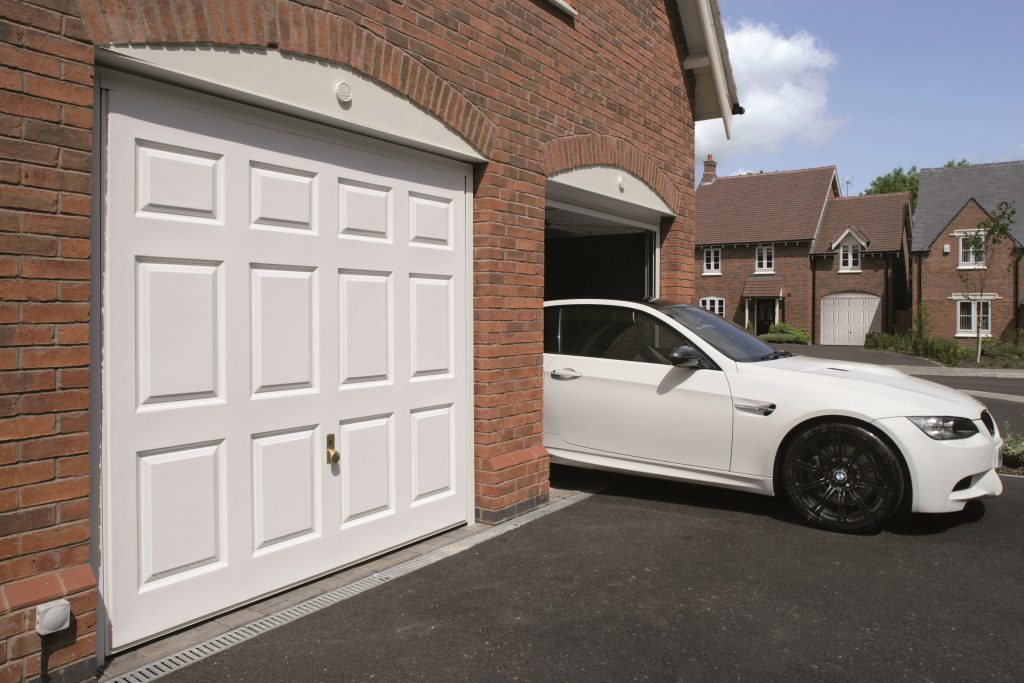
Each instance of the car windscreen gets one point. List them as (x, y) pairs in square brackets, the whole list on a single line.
[(728, 337)]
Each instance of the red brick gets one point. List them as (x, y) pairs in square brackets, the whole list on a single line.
[(25, 335), (16, 197), (24, 13), (32, 591), (73, 509), (51, 492), (27, 520), (68, 226), (71, 423), (55, 268), (26, 427), (75, 204), (73, 334), (75, 248), (74, 378), (59, 46), (77, 579), (27, 643), (54, 357), (65, 444), (17, 382), (31, 565), (55, 537), (53, 402), (25, 473), (33, 108), (26, 290), (12, 624), (55, 313), (29, 61)]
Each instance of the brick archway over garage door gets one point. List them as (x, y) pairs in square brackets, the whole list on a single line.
[(294, 28), (579, 151)]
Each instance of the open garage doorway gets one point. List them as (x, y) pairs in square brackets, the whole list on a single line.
[(588, 255)]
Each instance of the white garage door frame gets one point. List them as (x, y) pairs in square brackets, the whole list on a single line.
[(834, 333), (103, 521)]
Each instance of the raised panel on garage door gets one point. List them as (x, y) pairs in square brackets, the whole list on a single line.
[(263, 290)]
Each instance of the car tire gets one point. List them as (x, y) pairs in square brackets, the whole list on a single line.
[(843, 477)]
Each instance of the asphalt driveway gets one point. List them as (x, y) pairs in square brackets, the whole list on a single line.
[(855, 354), (655, 580)]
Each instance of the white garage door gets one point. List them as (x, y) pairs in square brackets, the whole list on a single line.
[(846, 318), (270, 284)]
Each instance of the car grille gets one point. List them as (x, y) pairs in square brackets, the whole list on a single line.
[(986, 417)]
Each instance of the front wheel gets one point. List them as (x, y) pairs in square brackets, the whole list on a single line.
[(843, 477)]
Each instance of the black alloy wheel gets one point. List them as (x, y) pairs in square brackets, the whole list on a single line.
[(843, 477)]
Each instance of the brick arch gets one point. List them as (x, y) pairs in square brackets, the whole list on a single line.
[(578, 151), (294, 28)]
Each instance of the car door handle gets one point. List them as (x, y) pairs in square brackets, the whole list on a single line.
[(565, 373)]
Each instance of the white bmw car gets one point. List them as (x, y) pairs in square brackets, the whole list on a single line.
[(679, 393)]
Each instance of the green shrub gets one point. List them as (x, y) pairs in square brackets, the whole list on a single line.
[(779, 338), (995, 352), (1013, 449), (943, 350), (800, 336)]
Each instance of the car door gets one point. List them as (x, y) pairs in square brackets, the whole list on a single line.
[(610, 387)]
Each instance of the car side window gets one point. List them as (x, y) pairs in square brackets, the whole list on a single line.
[(616, 334)]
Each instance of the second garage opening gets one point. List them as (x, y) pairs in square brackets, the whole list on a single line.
[(590, 254)]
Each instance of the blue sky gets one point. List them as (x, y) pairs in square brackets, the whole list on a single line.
[(869, 85)]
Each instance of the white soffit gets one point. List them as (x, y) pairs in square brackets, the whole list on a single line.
[(714, 86), (304, 87), (608, 189)]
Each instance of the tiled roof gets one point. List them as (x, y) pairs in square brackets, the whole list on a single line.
[(945, 191), (763, 286), (878, 217), (763, 207)]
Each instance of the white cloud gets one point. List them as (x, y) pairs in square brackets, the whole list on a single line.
[(783, 85)]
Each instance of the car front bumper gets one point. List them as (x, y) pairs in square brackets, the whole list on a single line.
[(947, 474)]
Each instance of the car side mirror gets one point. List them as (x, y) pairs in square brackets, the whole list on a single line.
[(684, 357)]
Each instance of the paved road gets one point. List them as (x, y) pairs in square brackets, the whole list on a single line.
[(659, 581)]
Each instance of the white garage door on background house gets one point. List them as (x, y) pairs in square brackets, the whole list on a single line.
[(847, 318), (270, 284)]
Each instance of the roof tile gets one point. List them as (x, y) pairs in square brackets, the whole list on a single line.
[(879, 217)]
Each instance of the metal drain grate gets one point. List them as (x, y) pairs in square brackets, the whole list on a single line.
[(195, 653)]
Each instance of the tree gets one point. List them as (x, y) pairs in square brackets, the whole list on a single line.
[(993, 231), (898, 180)]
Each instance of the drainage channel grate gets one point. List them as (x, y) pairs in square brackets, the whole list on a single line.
[(191, 655)]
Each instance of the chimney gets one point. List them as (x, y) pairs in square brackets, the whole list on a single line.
[(709, 171)]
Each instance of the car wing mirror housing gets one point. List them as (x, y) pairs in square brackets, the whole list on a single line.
[(684, 357)]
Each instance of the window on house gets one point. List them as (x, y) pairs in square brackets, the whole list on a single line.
[(712, 261), (715, 304), (971, 313), (970, 258), (849, 258), (764, 257)]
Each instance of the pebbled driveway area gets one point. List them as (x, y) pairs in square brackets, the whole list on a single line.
[(654, 580)]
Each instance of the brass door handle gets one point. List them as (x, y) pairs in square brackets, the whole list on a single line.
[(333, 456)]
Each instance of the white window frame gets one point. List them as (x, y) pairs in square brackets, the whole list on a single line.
[(977, 303), (712, 261), (764, 258), (972, 261), (713, 304), (849, 258)]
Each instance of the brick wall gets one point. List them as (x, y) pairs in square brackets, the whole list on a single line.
[(940, 278), (45, 160), (791, 263), (534, 91)]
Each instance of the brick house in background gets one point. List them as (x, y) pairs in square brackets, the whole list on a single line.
[(950, 204), (786, 247), (233, 232)]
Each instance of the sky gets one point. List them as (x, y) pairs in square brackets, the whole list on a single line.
[(869, 85)]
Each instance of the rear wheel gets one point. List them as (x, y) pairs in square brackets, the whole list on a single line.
[(843, 477)]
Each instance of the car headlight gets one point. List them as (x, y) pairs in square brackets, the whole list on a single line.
[(944, 428)]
